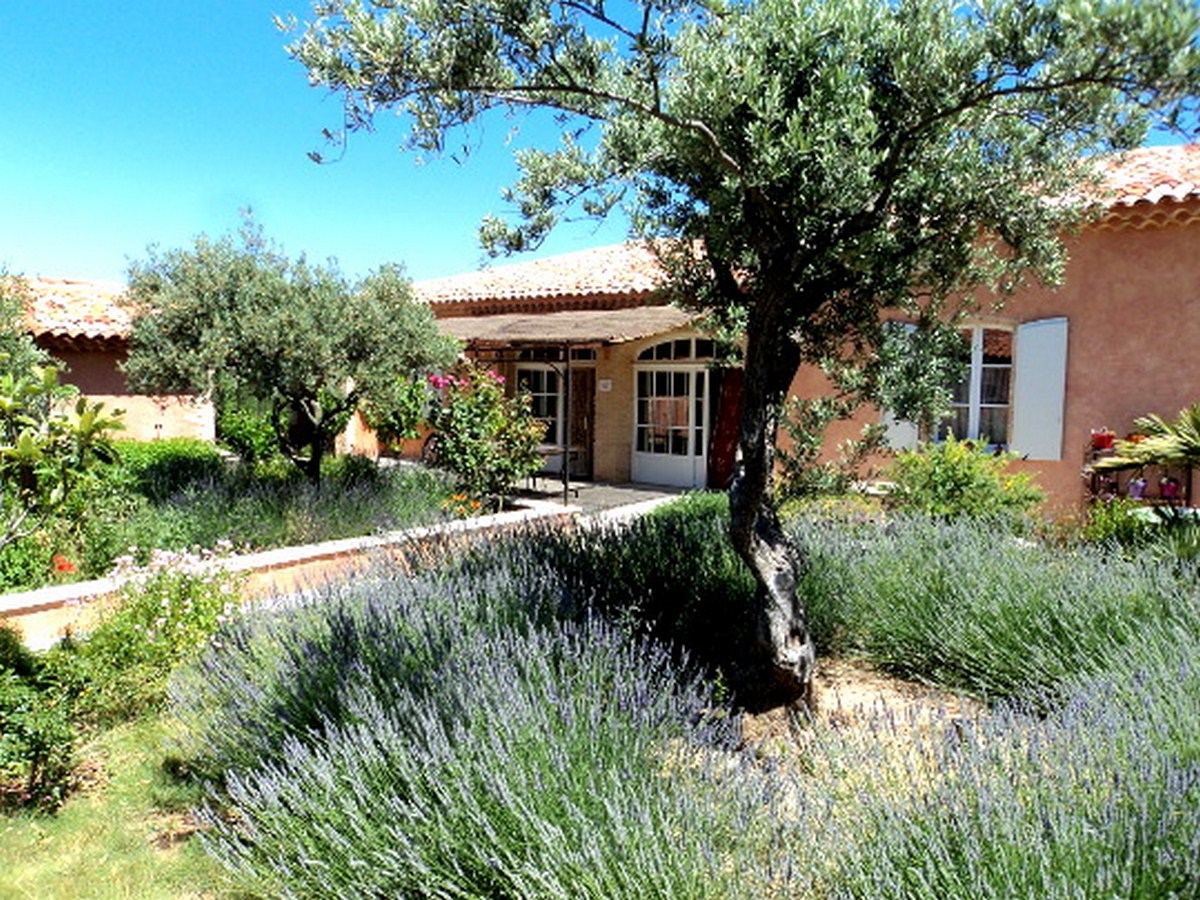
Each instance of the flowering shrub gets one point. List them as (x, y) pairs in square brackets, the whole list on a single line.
[(961, 478), (488, 441), (166, 612)]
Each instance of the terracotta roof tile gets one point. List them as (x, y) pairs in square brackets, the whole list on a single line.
[(62, 308), (600, 326), (631, 272), (1152, 175), (628, 270)]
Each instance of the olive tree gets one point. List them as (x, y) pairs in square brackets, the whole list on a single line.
[(820, 162), (239, 319)]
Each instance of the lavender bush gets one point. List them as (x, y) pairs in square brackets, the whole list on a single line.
[(420, 739), (479, 731), (1099, 799), (968, 606)]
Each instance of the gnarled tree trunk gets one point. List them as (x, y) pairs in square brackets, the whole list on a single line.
[(784, 659)]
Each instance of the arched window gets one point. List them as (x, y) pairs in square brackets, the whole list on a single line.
[(679, 350)]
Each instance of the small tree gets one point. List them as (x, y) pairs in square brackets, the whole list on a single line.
[(50, 438), (231, 319), (486, 439), (17, 347)]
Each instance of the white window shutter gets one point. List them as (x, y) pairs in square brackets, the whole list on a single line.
[(1039, 388)]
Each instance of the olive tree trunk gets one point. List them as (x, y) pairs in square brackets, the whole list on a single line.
[(783, 660)]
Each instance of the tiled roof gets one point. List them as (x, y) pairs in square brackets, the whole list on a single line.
[(1152, 175), (620, 271), (579, 326), (66, 309), (629, 274)]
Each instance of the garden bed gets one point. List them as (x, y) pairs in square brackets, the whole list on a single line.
[(44, 614)]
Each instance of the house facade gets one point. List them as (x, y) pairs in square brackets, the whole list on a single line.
[(628, 387), (623, 381), (83, 325)]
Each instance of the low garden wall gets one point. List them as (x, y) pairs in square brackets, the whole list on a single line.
[(46, 614)]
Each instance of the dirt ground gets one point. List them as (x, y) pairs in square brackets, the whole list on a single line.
[(850, 692)]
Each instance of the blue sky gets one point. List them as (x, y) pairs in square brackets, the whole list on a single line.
[(152, 121)]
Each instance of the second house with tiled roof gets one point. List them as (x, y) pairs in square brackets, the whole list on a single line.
[(84, 326)]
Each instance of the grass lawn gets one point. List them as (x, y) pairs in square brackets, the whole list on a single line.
[(125, 834)]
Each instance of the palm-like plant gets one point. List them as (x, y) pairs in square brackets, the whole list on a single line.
[(1165, 443)]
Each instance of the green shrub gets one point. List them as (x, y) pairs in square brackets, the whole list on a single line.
[(37, 742), (14, 655), (164, 613), (487, 441), (1116, 521), (1176, 537), (247, 433), (162, 468), (24, 563), (960, 478)]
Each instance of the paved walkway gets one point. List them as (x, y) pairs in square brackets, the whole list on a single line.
[(594, 497)]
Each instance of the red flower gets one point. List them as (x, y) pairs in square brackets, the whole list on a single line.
[(62, 564)]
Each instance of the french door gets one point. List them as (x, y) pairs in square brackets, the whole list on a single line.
[(670, 444)]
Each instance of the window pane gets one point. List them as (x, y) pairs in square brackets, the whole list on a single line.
[(663, 350), (993, 424), (679, 442), (957, 424), (542, 387), (994, 385), (704, 348), (683, 349)]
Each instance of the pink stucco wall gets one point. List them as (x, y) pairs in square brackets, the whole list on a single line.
[(97, 374), (1132, 300)]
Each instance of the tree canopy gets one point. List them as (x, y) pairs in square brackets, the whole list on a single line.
[(833, 159), (235, 319)]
